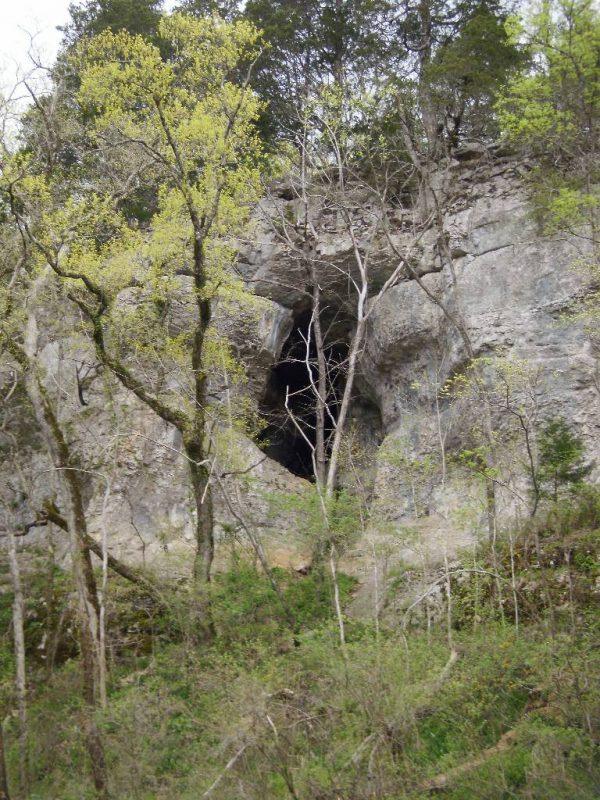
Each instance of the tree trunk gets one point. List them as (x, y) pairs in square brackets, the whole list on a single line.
[(336, 596), (321, 386), (85, 582), (428, 115), (203, 504), (357, 341), (19, 644), (195, 444), (84, 577), (51, 514), (4, 794)]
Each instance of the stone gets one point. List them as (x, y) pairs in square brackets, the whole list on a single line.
[(514, 287)]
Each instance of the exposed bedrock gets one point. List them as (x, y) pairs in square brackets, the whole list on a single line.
[(514, 288)]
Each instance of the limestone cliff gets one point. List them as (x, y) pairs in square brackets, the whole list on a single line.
[(514, 287)]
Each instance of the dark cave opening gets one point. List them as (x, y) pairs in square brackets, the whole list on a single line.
[(290, 377)]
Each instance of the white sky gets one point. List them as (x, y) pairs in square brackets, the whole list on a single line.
[(17, 19)]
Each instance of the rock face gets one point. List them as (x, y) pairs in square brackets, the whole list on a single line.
[(134, 475), (512, 287)]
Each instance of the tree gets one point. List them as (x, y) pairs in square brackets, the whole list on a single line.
[(20, 332), (552, 105), (91, 17), (561, 460), (459, 55), (551, 110), (467, 70), (25, 359), (85, 582), (4, 794), (328, 184), (196, 127), (19, 648), (181, 128), (312, 44), (227, 9)]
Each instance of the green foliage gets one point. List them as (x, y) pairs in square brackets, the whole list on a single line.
[(201, 125), (90, 17), (173, 724), (560, 202), (389, 712), (320, 521), (263, 710), (227, 9), (505, 393), (48, 615), (181, 132), (547, 565), (311, 44), (553, 104), (246, 608), (468, 69), (552, 108), (561, 463), (458, 57)]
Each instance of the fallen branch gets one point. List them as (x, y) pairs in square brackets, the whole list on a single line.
[(221, 775), (427, 707), (51, 514), (445, 673), (444, 780)]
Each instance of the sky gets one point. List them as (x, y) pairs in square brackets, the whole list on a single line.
[(17, 19)]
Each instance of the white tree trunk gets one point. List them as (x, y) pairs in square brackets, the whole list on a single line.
[(19, 648)]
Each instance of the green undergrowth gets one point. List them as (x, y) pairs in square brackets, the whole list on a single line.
[(548, 568), (310, 723), (497, 712)]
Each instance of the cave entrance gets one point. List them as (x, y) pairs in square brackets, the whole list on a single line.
[(291, 376)]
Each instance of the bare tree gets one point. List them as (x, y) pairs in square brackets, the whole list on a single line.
[(87, 594), (4, 794), (326, 184), (25, 357), (19, 648)]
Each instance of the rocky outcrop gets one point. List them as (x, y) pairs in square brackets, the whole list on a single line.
[(131, 464), (514, 289)]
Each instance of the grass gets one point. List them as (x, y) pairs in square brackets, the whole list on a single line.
[(379, 720)]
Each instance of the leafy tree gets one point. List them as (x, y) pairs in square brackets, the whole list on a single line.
[(91, 17), (228, 9), (314, 43), (184, 129), (553, 104), (196, 125), (459, 55), (561, 462), (466, 72), (552, 108)]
